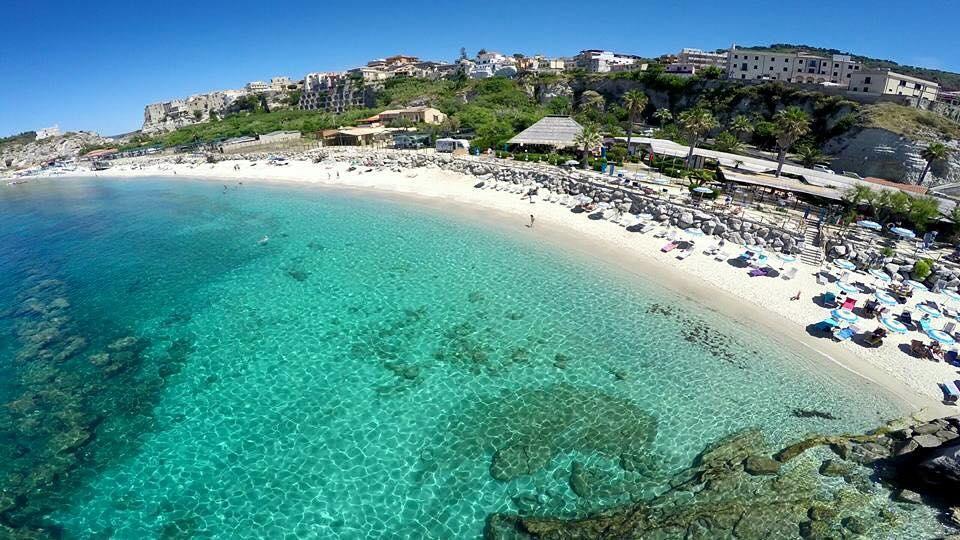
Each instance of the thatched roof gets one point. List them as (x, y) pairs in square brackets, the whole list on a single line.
[(556, 131)]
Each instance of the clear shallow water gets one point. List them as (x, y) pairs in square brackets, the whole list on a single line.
[(355, 375)]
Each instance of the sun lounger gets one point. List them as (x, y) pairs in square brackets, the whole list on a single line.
[(918, 349), (758, 272), (950, 392), (949, 328), (711, 250), (721, 255), (685, 253), (790, 273), (670, 246), (829, 299), (951, 357), (849, 304), (821, 279), (843, 334)]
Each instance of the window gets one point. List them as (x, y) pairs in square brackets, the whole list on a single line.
[(771, 68), (855, 88), (811, 70), (743, 76), (785, 69), (799, 70), (743, 66), (755, 67), (866, 80), (836, 65), (736, 57), (848, 75), (903, 83), (835, 74)]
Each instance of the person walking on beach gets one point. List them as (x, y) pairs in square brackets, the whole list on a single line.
[(531, 222), (795, 297)]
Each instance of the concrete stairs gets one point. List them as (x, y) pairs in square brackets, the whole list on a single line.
[(811, 254)]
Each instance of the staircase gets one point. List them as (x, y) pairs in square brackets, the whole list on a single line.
[(811, 254)]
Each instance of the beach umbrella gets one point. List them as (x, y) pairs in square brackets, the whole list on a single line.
[(845, 264), (571, 163), (885, 298), (903, 233), (845, 315), (867, 224), (786, 257), (847, 287), (703, 190), (951, 295), (941, 336), (929, 310), (893, 325), (880, 274), (661, 181), (645, 216), (915, 284), (757, 250)]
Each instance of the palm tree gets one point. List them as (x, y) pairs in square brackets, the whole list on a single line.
[(663, 115), (696, 123), (859, 193), (741, 126), (811, 155), (591, 100), (634, 102), (588, 140), (791, 124), (933, 152), (727, 142)]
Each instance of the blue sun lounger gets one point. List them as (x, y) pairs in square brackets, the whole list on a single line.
[(844, 334), (950, 392)]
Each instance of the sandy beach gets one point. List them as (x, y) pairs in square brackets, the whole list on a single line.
[(763, 302)]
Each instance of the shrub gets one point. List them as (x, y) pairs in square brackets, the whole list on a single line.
[(922, 269)]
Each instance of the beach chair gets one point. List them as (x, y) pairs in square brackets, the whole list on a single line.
[(951, 357), (843, 334), (949, 328), (789, 273), (721, 255), (918, 349), (821, 279), (711, 250), (829, 299), (906, 318), (826, 325), (685, 253), (670, 246), (950, 392), (758, 272), (849, 304), (844, 276)]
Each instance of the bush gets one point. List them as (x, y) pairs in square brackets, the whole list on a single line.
[(922, 269)]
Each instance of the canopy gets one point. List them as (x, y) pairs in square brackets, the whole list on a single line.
[(885, 298), (941, 336), (915, 284), (844, 315), (894, 325), (845, 264), (847, 287), (880, 274), (903, 233)]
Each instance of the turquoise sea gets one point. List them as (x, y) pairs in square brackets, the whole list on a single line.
[(182, 359)]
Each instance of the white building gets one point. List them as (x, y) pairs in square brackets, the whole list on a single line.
[(794, 67), (681, 69), (279, 84), (257, 86), (492, 64), (700, 59), (597, 61), (886, 82), (47, 132)]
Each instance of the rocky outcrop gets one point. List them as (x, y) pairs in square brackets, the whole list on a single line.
[(884, 154), (19, 156)]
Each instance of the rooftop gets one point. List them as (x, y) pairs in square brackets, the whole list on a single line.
[(556, 131)]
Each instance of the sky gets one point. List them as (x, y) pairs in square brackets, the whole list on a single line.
[(94, 65)]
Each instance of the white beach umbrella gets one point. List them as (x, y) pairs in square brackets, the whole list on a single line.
[(915, 284)]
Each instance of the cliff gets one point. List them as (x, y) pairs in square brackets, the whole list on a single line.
[(22, 154)]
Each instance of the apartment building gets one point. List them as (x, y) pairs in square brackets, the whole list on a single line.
[(413, 115), (332, 92), (597, 61), (491, 64), (886, 82), (700, 59), (795, 67)]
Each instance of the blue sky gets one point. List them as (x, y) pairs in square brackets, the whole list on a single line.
[(95, 66)]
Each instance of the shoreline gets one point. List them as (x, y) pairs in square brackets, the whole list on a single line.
[(714, 285)]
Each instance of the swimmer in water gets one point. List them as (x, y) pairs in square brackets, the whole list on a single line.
[(263, 240)]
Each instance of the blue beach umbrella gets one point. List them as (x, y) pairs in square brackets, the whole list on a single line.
[(880, 274), (845, 315), (929, 311), (693, 231), (847, 287), (703, 189), (786, 257), (893, 325), (915, 284), (845, 264), (903, 233), (941, 336), (952, 295), (867, 224), (885, 298), (757, 250)]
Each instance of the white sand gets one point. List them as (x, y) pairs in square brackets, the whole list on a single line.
[(761, 300)]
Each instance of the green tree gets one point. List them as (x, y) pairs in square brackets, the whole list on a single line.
[(587, 141), (634, 102), (741, 126), (559, 105), (930, 154), (727, 142), (663, 116), (859, 194), (792, 123), (810, 155), (710, 73), (591, 100), (922, 211), (696, 123)]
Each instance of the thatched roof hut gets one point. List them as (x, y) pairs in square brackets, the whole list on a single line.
[(554, 131)]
